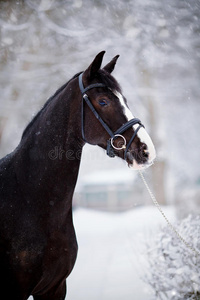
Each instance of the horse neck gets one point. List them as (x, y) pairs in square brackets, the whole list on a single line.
[(48, 157)]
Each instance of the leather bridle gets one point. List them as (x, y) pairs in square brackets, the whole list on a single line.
[(113, 135)]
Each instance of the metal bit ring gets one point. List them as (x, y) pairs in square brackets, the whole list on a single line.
[(117, 136)]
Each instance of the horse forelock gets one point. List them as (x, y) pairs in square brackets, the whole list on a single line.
[(109, 80)]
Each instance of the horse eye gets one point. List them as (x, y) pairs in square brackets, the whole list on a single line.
[(103, 102)]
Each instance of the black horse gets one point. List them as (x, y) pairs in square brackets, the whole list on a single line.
[(38, 245)]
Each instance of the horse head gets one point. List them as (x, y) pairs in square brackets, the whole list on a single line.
[(107, 120)]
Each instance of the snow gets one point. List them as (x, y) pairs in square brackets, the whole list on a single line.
[(109, 177), (111, 260), (112, 253)]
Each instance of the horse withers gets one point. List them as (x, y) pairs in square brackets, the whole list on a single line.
[(38, 244)]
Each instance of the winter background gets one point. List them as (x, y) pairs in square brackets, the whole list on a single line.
[(43, 43)]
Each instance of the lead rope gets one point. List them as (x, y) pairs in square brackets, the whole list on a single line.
[(153, 198)]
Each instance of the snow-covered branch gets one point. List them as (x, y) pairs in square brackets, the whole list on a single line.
[(173, 269), (13, 27)]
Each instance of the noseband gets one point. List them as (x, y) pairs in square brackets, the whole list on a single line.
[(113, 135)]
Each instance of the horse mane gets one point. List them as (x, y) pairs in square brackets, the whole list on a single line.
[(47, 103)]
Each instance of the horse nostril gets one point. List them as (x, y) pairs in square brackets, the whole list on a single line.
[(144, 151)]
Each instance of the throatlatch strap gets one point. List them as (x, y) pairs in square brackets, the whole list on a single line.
[(80, 81)]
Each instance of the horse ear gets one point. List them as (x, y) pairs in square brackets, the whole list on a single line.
[(111, 65), (95, 65)]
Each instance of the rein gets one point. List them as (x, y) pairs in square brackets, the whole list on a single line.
[(113, 135), (173, 229)]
